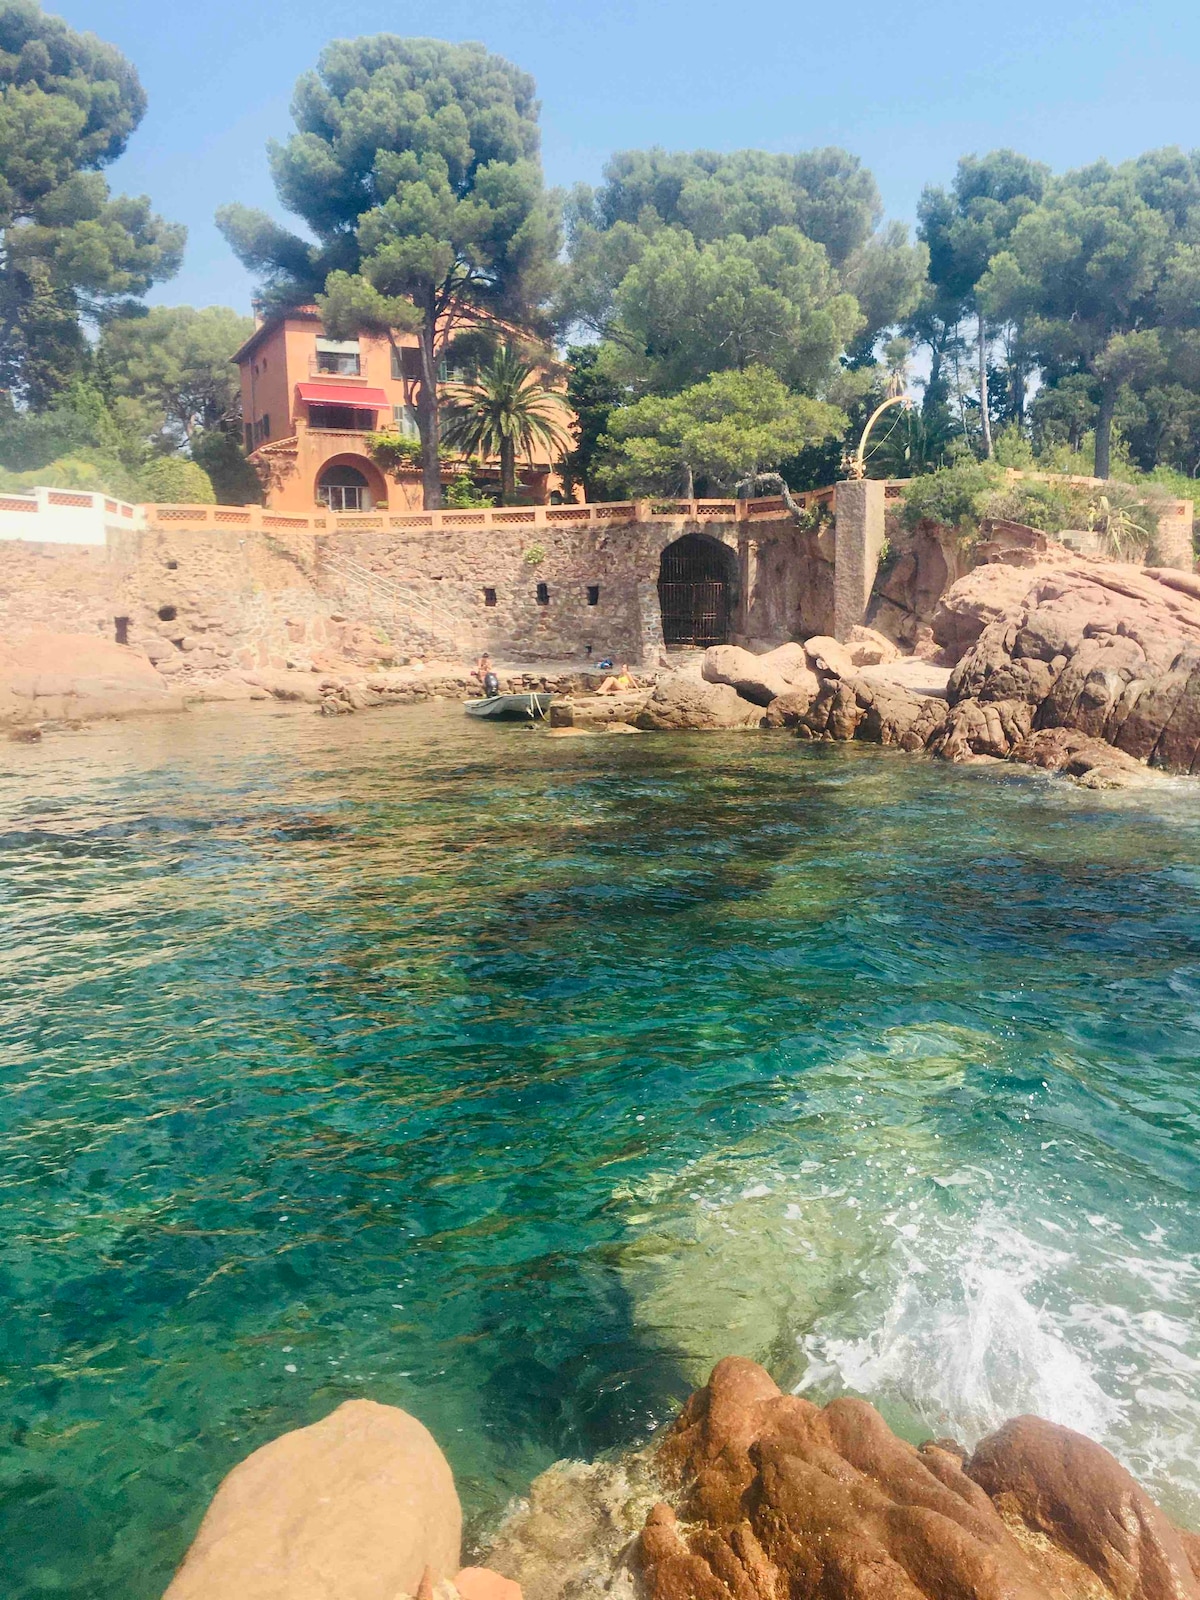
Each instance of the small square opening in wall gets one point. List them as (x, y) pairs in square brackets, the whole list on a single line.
[(593, 594), (167, 613), (543, 594), (489, 597)]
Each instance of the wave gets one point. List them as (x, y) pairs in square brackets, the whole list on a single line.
[(965, 1355), (964, 1337)]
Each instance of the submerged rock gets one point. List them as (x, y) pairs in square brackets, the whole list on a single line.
[(574, 1536), (775, 1496)]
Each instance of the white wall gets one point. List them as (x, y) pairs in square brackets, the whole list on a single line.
[(64, 516)]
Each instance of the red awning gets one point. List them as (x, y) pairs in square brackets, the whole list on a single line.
[(343, 394)]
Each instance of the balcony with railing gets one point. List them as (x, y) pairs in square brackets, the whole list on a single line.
[(334, 365)]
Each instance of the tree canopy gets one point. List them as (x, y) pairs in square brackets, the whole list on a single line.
[(71, 252), (686, 264), (1102, 272), (824, 196), (175, 365), (827, 194), (691, 309), (508, 411), (731, 427), (415, 164), (964, 228)]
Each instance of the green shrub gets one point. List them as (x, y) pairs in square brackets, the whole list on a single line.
[(955, 496), (960, 497), (394, 451), (234, 480), (397, 452), (96, 473), (79, 427), (461, 494), (1048, 506), (173, 480)]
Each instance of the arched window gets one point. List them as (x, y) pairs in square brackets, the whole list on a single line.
[(343, 488)]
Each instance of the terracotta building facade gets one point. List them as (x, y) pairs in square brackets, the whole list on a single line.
[(310, 402)]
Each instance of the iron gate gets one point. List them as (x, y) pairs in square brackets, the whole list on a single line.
[(694, 592)]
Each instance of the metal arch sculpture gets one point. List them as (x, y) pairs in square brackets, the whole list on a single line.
[(857, 467)]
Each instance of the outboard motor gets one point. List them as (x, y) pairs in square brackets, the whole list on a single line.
[(491, 684)]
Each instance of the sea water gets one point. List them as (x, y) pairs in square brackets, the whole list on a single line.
[(514, 1080)]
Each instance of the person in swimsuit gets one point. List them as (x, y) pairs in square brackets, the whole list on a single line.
[(618, 682)]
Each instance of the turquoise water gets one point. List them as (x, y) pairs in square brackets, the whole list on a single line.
[(513, 1080)]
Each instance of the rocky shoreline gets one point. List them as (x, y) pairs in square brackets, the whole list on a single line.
[(1038, 655), (752, 1494)]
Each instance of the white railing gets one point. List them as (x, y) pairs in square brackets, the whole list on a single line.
[(64, 516)]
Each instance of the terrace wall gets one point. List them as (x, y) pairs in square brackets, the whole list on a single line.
[(205, 590)]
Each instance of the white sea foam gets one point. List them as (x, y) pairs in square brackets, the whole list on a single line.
[(955, 1281), (984, 1322), (963, 1347)]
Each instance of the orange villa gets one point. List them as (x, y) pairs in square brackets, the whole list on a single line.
[(309, 402)]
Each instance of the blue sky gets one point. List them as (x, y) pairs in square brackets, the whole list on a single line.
[(908, 88)]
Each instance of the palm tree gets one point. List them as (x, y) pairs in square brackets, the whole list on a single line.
[(507, 411)]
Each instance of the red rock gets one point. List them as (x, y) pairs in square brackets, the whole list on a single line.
[(779, 1499), (866, 648), (1102, 648), (764, 678), (1070, 1489), (683, 702), (77, 676), (970, 605), (481, 1583)]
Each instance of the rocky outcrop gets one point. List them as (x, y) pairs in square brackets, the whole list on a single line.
[(1070, 1491), (867, 648), (1104, 650), (360, 1505), (856, 707), (760, 678), (827, 657), (984, 596), (1087, 667), (776, 1496), (77, 677), (682, 702), (920, 566)]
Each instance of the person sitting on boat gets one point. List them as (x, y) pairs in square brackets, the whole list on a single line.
[(486, 673), (618, 682)]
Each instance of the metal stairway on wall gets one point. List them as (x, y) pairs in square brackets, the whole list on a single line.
[(402, 609)]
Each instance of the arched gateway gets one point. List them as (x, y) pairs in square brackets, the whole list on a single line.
[(696, 579)]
